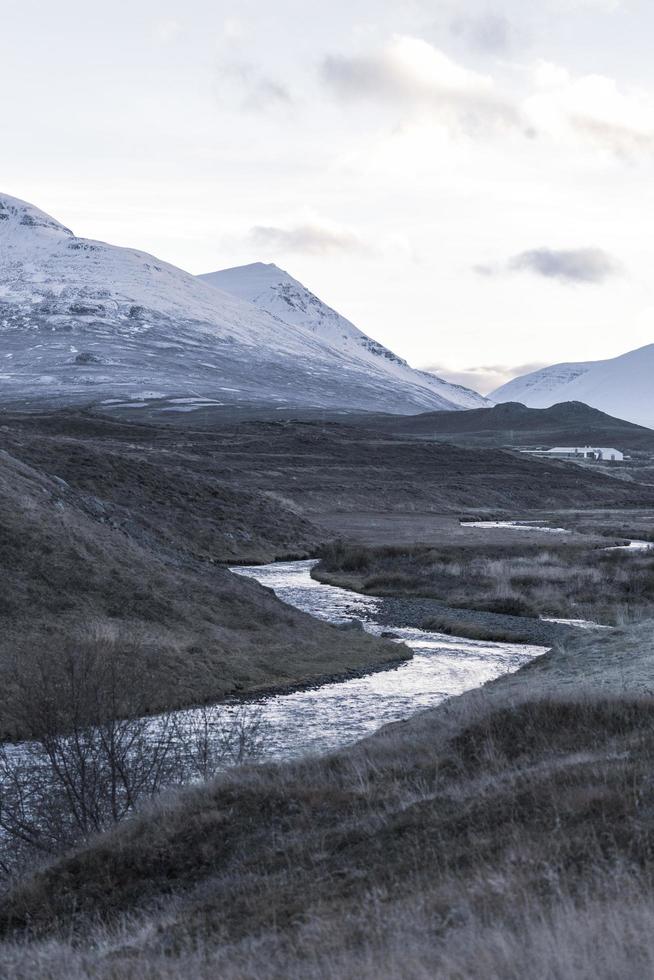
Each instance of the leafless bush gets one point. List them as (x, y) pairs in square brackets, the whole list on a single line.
[(93, 756), (210, 738)]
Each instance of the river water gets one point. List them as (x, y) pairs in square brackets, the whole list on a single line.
[(634, 545), (517, 526), (336, 714)]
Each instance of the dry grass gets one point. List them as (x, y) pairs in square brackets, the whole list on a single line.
[(487, 839), (603, 938), (573, 581)]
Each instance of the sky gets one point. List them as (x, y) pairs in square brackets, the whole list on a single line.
[(471, 182)]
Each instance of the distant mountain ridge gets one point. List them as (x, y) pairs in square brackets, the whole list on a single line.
[(84, 322), (621, 386), (514, 425)]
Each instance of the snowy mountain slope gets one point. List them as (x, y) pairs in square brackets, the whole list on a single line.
[(622, 386), (277, 292), (86, 322)]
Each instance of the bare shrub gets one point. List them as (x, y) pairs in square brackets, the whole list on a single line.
[(94, 756), (213, 737)]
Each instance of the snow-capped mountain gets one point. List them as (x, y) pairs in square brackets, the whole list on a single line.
[(278, 293), (86, 322), (622, 386)]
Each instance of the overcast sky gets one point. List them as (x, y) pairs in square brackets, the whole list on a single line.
[(471, 182)]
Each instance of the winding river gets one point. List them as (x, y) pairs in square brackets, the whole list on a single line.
[(336, 714)]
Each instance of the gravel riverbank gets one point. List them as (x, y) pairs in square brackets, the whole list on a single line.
[(423, 613)]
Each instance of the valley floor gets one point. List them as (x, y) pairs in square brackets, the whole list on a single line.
[(120, 530), (507, 833)]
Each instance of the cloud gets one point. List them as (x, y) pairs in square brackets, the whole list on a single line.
[(255, 90), (165, 31), (234, 29), (484, 378), (623, 141), (585, 266), (483, 269), (607, 6), (591, 108), (489, 31), (414, 75), (267, 92), (310, 238), (576, 265)]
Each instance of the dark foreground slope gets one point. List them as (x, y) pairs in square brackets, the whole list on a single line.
[(513, 424), (151, 484), (78, 571), (507, 834)]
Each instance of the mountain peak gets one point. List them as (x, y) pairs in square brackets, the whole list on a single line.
[(276, 292), (20, 216), (243, 278)]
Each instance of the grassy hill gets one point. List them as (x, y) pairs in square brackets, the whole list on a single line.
[(76, 569), (513, 424)]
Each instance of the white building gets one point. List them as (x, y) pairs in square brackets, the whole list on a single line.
[(597, 453)]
